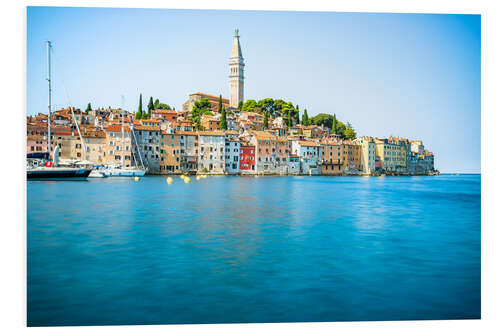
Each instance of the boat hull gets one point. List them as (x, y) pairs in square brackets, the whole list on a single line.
[(125, 173), (55, 174)]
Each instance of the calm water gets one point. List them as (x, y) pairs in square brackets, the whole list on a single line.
[(244, 249)]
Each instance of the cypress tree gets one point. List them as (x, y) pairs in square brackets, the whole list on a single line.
[(150, 104), (220, 104), (297, 115), (305, 118), (266, 121), (289, 118), (334, 124), (89, 108), (139, 113), (240, 105), (223, 120)]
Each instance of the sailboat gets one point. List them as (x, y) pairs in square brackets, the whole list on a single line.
[(122, 170), (45, 169)]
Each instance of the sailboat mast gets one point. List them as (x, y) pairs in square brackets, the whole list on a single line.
[(49, 45), (123, 136)]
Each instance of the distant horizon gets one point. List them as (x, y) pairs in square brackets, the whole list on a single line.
[(410, 75)]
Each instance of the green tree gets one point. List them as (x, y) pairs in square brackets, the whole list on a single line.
[(334, 124), (162, 106), (249, 105), (139, 113), (297, 115), (289, 119), (200, 108), (223, 120), (240, 105), (89, 108), (305, 118), (265, 125), (150, 107), (322, 119), (278, 105), (349, 132), (220, 104), (341, 128), (267, 105), (156, 104)]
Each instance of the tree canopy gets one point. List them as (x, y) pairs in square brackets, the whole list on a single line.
[(89, 108), (162, 106), (337, 127), (200, 108)]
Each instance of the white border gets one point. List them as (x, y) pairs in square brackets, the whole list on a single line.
[(13, 231)]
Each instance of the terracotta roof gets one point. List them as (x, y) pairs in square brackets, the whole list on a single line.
[(211, 133), (36, 137), (309, 143), (150, 121), (224, 100), (117, 128), (146, 128), (187, 133), (330, 143), (162, 111), (95, 134)]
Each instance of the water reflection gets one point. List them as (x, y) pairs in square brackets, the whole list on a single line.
[(244, 249)]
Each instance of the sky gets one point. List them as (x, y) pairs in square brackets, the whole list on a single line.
[(416, 76)]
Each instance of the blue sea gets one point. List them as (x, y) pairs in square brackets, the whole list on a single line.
[(253, 249)]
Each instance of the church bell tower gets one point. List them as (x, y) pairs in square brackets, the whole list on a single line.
[(236, 78)]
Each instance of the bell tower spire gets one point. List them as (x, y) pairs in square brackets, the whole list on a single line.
[(236, 69)]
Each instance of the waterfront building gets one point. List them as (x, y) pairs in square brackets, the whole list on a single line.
[(170, 152), (293, 164), (401, 153), (189, 151), (232, 154), (247, 158), (148, 145), (271, 152), (95, 147), (115, 148), (428, 162), (308, 151), (351, 163), (236, 71), (36, 144), (211, 156), (388, 153), (417, 147), (331, 158), (367, 154)]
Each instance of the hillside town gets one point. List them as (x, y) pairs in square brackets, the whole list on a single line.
[(224, 136)]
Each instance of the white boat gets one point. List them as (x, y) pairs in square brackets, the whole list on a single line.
[(121, 171), (97, 174)]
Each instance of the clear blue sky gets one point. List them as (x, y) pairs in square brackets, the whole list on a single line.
[(411, 75)]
